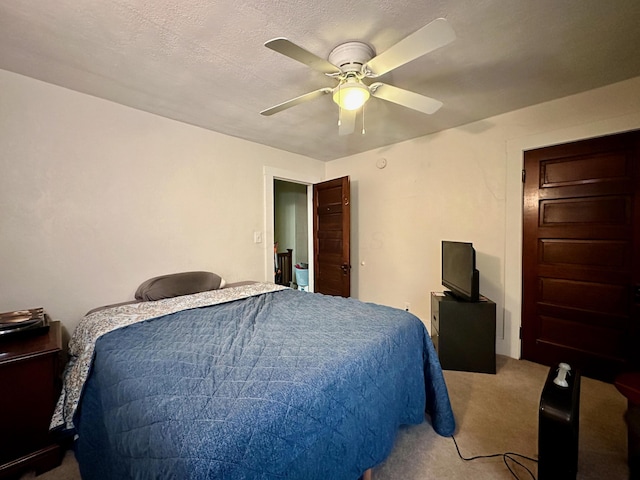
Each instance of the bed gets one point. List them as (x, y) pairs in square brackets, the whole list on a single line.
[(256, 381)]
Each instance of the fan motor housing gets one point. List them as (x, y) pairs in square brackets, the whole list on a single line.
[(351, 56)]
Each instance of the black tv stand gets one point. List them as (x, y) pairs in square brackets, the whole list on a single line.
[(449, 293), (464, 333), (458, 298)]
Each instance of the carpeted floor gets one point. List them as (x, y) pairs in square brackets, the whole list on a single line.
[(495, 414), (499, 413)]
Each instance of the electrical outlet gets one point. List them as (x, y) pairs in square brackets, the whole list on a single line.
[(407, 306)]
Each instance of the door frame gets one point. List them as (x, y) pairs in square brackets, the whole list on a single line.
[(271, 174), (514, 188)]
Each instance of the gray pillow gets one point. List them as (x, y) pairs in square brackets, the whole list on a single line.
[(176, 284)]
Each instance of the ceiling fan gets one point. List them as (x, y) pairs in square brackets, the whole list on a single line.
[(351, 62)]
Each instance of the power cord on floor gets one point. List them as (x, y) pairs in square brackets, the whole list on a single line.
[(505, 456)]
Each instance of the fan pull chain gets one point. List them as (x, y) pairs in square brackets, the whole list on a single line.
[(339, 108), (363, 130)]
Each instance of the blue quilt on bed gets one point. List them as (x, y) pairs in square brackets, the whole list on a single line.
[(284, 385)]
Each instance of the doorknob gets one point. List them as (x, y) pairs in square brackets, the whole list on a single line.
[(345, 268)]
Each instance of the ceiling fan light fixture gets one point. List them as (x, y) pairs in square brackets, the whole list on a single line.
[(349, 63), (351, 94)]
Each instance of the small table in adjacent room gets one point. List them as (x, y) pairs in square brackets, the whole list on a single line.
[(29, 385), (464, 333)]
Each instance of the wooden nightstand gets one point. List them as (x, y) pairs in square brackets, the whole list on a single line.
[(29, 387)]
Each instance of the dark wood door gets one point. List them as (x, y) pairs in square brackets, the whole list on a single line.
[(331, 236), (581, 255)]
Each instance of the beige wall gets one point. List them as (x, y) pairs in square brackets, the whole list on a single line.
[(96, 197), (463, 184)]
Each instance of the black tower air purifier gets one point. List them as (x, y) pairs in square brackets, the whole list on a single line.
[(558, 420)]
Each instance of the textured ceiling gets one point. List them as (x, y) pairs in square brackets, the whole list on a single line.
[(203, 62)]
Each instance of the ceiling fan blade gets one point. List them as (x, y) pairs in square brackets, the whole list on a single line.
[(291, 50), (429, 38), (296, 101), (405, 98), (347, 122)]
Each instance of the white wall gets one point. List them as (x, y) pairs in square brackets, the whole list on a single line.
[(96, 197), (463, 184)]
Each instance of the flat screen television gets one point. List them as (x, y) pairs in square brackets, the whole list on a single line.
[(459, 273)]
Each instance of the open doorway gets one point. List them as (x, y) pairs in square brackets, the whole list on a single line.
[(328, 234), (291, 234), (304, 181)]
